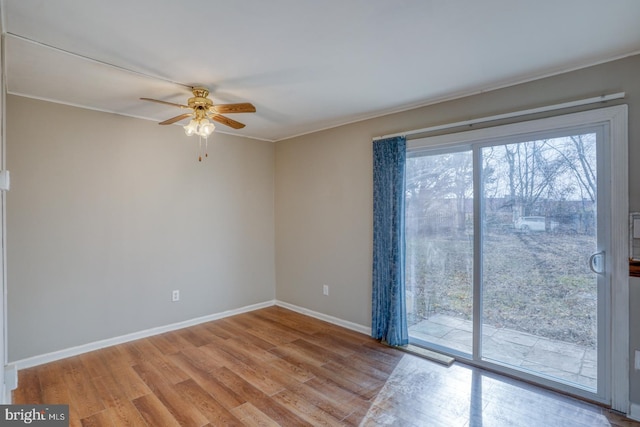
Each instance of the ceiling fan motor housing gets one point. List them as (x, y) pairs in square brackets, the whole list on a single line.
[(200, 100)]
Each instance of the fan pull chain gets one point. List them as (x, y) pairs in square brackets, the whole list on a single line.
[(200, 148)]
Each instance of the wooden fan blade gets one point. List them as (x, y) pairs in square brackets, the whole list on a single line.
[(173, 104), (226, 121), (176, 119), (244, 107)]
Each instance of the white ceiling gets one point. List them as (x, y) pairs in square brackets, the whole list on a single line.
[(305, 64)]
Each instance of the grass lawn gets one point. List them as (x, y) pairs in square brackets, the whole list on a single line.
[(535, 282)]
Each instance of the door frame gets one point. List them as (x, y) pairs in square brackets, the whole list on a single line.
[(616, 132)]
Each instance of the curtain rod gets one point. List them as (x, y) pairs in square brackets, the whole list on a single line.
[(595, 99)]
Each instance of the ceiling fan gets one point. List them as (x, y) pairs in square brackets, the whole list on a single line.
[(203, 109)]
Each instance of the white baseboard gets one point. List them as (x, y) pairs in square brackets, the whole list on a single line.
[(11, 370), (96, 345), (634, 411), (335, 320)]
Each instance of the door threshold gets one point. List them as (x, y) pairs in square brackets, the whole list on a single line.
[(434, 356)]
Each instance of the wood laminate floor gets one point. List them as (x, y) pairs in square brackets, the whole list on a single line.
[(275, 367)]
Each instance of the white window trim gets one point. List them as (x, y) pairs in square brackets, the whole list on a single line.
[(617, 118)]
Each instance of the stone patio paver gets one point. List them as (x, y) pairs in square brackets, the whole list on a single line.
[(565, 361)]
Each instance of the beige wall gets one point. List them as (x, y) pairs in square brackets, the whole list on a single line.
[(108, 214), (324, 189)]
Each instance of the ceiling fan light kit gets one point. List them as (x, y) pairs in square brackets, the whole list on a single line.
[(202, 127), (203, 111)]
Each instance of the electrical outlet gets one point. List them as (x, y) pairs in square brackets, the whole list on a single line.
[(175, 296), (325, 289)]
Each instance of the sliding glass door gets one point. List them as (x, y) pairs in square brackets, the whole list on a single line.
[(539, 294), (439, 255), (506, 241)]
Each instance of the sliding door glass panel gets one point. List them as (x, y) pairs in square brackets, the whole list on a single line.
[(539, 222), (439, 250)]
